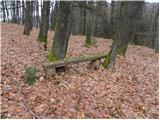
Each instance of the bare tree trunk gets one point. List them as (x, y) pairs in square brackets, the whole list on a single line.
[(28, 22), (34, 15), (124, 22), (77, 17), (156, 31), (23, 12), (88, 40), (54, 16), (82, 20), (44, 25), (14, 20), (84, 11), (62, 32), (20, 12), (89, 25), (111, 20), (3, 8), (37, 14), (17, 12), (7, 11), (31, 14)]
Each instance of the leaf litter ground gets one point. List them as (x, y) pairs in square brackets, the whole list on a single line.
[(129, 91)]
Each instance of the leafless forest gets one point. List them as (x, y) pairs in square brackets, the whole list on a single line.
[(81, 59)]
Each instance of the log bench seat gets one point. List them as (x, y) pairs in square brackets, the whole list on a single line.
[(51, 66)]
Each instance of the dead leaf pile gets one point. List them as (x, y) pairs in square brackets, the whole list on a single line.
[(129, 91)]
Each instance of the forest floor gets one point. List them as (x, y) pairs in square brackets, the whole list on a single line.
[(129, 91)]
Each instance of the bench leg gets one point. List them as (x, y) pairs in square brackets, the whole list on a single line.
[(95, 64)]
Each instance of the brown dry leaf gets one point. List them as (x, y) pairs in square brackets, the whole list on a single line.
[(130, 91)]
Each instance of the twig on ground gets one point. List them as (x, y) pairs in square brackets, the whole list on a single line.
[(78, 103), (34, 114)]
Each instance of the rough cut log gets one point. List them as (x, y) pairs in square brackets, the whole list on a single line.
[(66, 61)]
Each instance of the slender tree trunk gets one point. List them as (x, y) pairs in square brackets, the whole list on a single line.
[(77, 18), (20, 12), (82, 19), (137, 24), (54, 16), (123, 31), (110, 59), (31, 14), (62, 32), (7, 10), (34, 14), (14, 20), (28, 22), (23, 12), (3, 8), (111, 19), (17, 12), (84, 28), (89, 25), (156, 31), (37, 14), (88, 40), (44, 25)]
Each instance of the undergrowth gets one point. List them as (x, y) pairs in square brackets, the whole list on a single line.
[(30, 75)]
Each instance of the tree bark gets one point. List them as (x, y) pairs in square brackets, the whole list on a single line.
[(62, 32), (37, 14), (84, 13), (111, 19), (44, 25), (90, 21), (3, 8), (54, 16), (17, 12), (137, 22), (28, 20), (31, 14), (156, 31), (123, 27), (14, 20), (7, 10), (23, 12)]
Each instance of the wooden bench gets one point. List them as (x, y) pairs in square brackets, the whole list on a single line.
[(51, 66)]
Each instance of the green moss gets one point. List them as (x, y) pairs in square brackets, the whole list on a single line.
[(41, 38), (107, 60), (121, 50), (52, 57)]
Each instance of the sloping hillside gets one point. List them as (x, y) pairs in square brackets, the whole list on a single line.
[(130, 91)]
